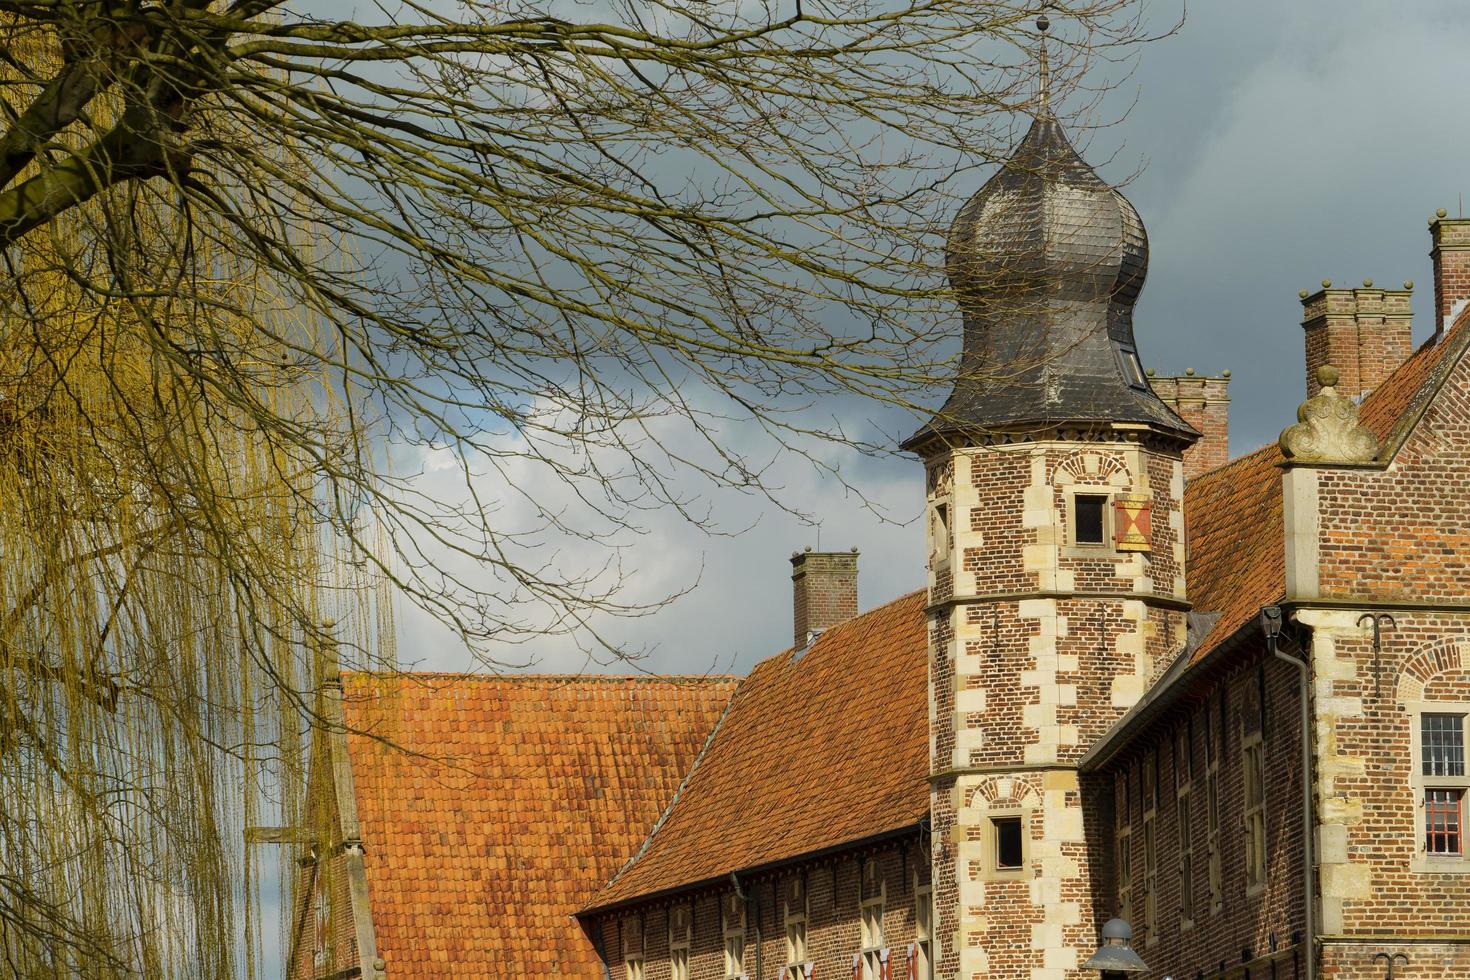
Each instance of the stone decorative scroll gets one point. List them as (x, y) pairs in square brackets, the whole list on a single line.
[(1328, 429)]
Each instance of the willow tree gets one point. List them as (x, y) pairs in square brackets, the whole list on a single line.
[(262, 262)]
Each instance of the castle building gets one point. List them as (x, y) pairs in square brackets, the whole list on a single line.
[(1227, 701)]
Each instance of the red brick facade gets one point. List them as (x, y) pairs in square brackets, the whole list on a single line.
[(1205, 404), (1450, 253), (823, 592), (1363, 333)]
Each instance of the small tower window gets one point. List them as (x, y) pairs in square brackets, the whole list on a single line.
[(1130, 367), (1008, 850), (1087, 520)]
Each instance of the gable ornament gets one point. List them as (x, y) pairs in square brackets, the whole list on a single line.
[(1327, 430)]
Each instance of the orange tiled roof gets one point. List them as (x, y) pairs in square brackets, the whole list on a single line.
[(816, 751), (542, 788), (1233, 518)]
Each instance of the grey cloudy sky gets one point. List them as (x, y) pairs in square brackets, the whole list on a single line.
[(1278, 145)]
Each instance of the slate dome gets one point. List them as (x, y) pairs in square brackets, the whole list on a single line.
[(1046, 261)]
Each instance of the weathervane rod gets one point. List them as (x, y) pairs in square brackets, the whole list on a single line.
[(1043, 24)]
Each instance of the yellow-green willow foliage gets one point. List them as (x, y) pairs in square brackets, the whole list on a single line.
[(163, 585)]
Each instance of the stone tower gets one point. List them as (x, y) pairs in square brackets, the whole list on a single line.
[(1056, 557)]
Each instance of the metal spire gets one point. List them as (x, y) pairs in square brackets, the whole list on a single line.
[(1043, 25)]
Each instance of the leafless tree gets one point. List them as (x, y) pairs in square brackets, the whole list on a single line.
[(260, 263)]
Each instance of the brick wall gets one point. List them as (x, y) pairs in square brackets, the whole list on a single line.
[(1364, 333), (1450, 255), (1039, 646), (1205, 404), (823, 591), (832, 887), (1250, 925)]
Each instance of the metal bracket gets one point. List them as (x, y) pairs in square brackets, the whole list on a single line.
[(1378, 619), (1390, 959)]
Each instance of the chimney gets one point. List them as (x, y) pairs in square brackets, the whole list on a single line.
[(1450, 253), (823, 591), (1205, 404), (1364, 333)]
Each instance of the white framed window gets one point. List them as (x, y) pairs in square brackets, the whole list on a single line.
[(1253, 776), (1089, 519), (1123, 846), (1441, 785), (633, 967), (1214, 749), (924, 933), (871, 920), (681, 928), (733, 914), (794, 913), (1184, 820), (942, 530), (1150, 847)]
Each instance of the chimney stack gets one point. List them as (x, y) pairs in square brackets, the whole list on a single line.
[(1363, 333), (1450, 253), (1205, 404), (823, 591)]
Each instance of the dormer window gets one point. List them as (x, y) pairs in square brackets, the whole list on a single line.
[(1130, 367)]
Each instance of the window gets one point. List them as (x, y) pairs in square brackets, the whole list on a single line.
[(795, 916), (633, 949), (1441, 783), (734, 923), (923, 934), (681, 923), (1150, 847), (1007, 843), (1183, 795), (1213, 751), (1129, 366), (633, 967), (1123, 850), (941, 532), (872, 921), (1088, 510), (1253, 772)]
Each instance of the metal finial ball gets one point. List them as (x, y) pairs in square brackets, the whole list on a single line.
[(1043, 24)]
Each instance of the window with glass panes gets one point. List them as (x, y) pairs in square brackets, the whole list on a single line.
[(795, 917), (1253, 771), (1443, 782), (681, 928), (923, 934), (1123, 846), (1150, 846), (734, 922), (1183, 796), (871, 915), (1214, 749)]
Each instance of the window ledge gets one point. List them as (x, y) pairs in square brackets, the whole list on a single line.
[(1440, 865)]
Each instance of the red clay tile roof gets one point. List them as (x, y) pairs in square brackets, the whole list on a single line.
[(545, 785), (815, 752), (1233, 520)]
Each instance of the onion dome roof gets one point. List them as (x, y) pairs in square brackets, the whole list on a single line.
[(1047, 261)]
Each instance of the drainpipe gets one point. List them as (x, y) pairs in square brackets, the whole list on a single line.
[(1271, 626)]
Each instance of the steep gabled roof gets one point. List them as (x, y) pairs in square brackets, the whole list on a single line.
[(1233, 518), (1236, 535), (816, 751), (516, 799)]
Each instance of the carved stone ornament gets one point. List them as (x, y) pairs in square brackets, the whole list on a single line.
[(1328, 430)]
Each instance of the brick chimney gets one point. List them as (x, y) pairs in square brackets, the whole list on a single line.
[(1450, 253), (1205, 404), (1364, 333), (823, 591)]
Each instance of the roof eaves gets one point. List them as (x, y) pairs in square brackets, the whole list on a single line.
[(880, 837)]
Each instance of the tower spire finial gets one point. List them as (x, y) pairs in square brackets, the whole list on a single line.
[(1043, 24)]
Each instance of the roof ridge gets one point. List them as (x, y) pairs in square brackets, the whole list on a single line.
[(541, 678)]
